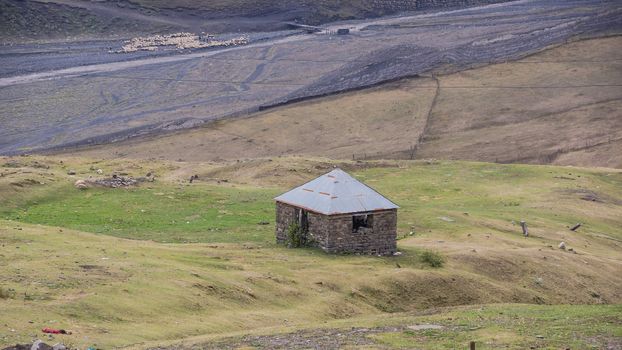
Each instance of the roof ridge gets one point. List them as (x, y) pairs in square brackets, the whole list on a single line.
[(336, 192)]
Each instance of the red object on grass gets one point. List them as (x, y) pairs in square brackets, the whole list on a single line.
[(54, 331)]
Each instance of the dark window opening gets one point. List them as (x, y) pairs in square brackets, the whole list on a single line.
[(362, 221)]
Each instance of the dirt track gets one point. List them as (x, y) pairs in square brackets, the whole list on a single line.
[(113, 101)]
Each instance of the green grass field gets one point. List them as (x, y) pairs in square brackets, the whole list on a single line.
[(170, 260), (161, 213), (471, 195), (514, 327)]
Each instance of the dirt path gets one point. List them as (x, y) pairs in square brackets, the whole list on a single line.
[(320, 339)]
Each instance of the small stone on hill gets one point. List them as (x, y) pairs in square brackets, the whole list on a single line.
[(40, 345), (562, 245), (18, 347), (422, 327), (81, 185)]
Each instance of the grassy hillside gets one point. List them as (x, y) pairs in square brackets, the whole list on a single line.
[(561, 106), (70, 263), (490, 327)]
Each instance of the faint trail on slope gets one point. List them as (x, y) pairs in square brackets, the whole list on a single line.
[(426, 122)]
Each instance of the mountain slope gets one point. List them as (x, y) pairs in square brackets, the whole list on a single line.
[(82, 19), (561, 106)]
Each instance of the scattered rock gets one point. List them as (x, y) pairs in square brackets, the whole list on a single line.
[(562, 245), (40, 345), (99, 171), (397, 253), (447, 219), (118, 181), (71, 172), (59, 346), (263, 223), (591, 197), (38, 165), (81, 185), (19, 347), (423, 327)]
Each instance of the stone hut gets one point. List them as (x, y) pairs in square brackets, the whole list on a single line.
[(339, 214)]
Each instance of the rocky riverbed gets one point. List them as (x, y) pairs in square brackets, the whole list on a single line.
[(89, 102)]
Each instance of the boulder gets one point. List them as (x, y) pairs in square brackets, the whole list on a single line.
[(562, 245), (81, 185), (40, 345), (18, 347)]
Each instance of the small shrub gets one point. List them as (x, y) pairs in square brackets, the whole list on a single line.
[(433, 259), (295, 236), (6, 293)]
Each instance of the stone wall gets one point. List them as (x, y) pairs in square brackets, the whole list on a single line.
[(379, 239), (286, 215), (334, 233)]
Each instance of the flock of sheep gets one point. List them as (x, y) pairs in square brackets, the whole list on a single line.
[(179, 40)]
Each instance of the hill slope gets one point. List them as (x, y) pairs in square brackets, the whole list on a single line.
[(101, 263), (66, 19), (561, 106)]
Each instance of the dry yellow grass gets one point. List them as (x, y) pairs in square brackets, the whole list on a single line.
[(62, 268), (553, 107), (384, 118)]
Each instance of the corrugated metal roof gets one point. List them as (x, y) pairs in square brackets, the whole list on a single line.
[(336, 193)]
